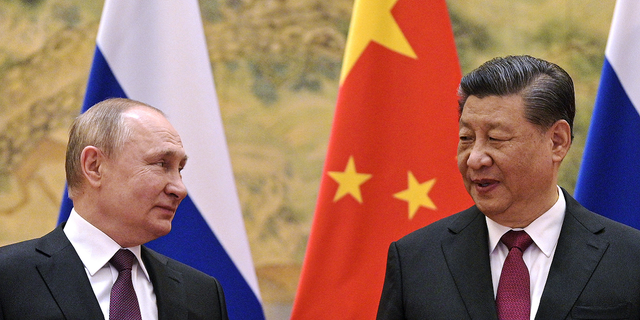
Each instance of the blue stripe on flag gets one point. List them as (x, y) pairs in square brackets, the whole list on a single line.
[(208, 256), (65, 207), (609, 177), (102, 82)]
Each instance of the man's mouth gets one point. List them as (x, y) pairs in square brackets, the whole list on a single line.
[(169, 208), (484, 183)]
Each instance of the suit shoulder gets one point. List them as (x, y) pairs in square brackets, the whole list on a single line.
[(199, 292), (186, 270), (617, 231), (18, 248), (442, 228), (35, 249), (599, 224), (18, 253)]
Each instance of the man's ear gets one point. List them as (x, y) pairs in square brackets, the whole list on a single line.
[(91, 161), (561, 139)]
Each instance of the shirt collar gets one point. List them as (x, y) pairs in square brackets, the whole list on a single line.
[(544, 231), (93, 246)]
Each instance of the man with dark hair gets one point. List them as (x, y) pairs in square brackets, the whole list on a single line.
[(123, 169), (526, 249)]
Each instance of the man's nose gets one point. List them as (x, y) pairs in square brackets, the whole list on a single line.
[(479, 157), (176, 187)]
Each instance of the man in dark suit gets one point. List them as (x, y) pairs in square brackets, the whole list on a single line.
[(123, 171), (516, 126)]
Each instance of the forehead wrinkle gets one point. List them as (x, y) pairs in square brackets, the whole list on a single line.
[(170, 153), (488, 125), (488, 119)]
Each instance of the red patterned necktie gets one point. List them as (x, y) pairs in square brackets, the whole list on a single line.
[(513, 300), (124, 302)]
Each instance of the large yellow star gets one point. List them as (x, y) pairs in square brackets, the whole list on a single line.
[(349, 181), (372, 21), (417, 195)]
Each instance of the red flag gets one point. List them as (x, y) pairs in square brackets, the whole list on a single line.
[(391, 163)]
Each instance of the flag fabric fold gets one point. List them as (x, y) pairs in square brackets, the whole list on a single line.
[(155, 52), (609, 178), (391, 161)]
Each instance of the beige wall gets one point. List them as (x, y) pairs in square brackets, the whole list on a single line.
[(276, 65)]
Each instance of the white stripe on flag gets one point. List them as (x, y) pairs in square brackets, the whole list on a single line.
[(623, 47)]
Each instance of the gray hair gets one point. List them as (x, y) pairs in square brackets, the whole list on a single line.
[(103, 127)]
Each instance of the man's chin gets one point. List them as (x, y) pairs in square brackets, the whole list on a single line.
[(489, 207), (161, 229)]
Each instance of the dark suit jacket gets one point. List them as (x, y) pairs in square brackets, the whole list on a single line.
[(45, 279), (442, 271)]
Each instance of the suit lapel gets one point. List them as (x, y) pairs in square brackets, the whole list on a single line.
[(467, 256), (167, 285), (66, 278), (578, 253)]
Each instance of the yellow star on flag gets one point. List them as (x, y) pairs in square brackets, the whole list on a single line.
[(372, 21), (349, 181), (417, 195)]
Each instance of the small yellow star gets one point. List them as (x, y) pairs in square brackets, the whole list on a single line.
[(349, 181), (417, 195), (372, 21)]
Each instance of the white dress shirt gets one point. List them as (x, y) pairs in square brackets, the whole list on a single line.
[(545, 232), (95, 249)]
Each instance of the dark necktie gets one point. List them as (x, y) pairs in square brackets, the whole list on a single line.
[(124, 303), (513, 300)]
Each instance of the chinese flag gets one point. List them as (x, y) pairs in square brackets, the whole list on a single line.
[(391, 163)]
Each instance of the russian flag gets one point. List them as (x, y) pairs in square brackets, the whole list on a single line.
[(609, 178), (155, 52)]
